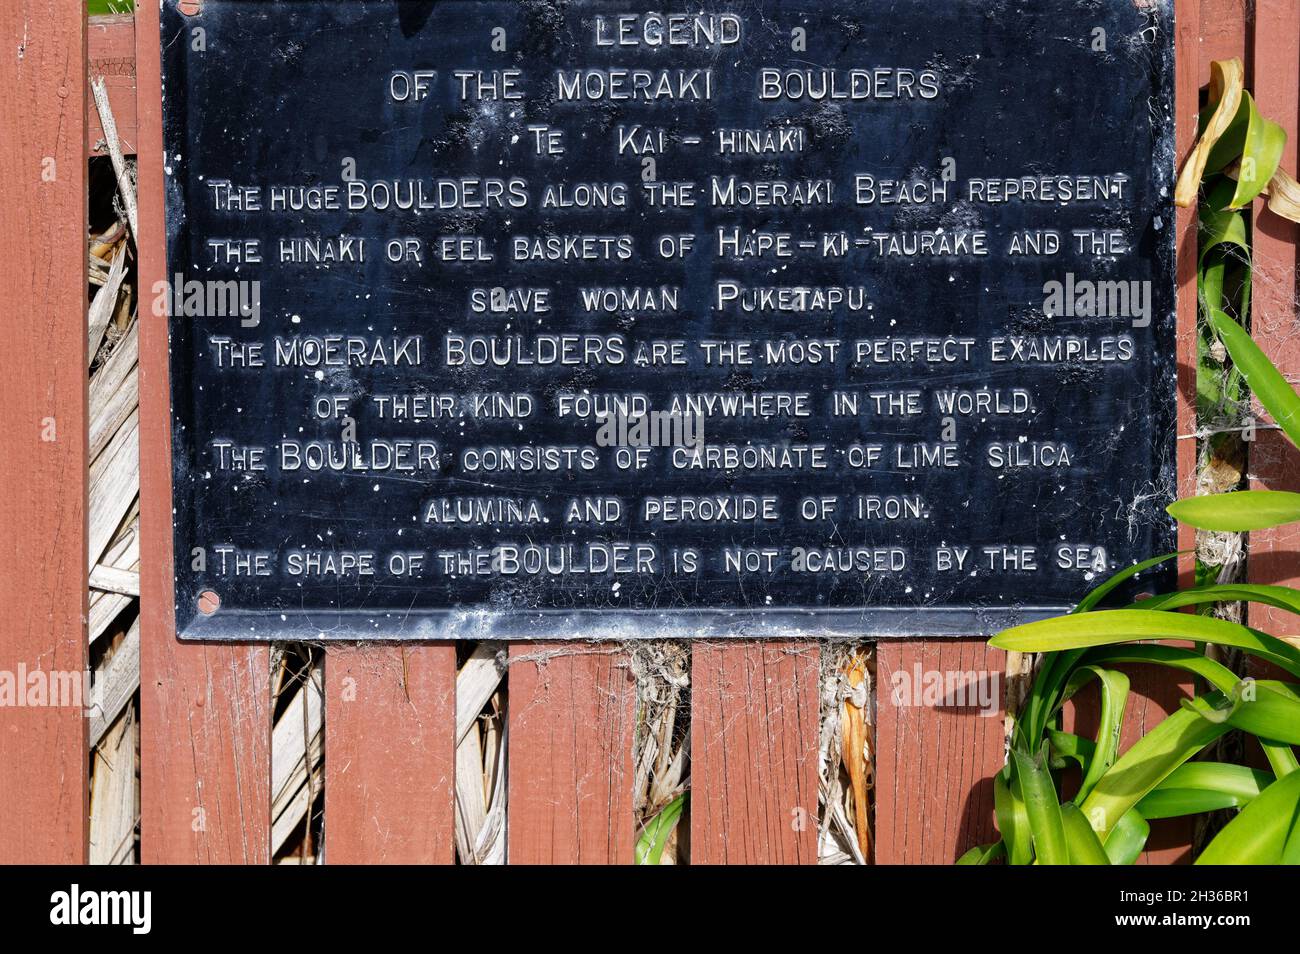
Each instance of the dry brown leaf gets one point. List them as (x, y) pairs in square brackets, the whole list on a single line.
[(855, 747), (1284, 195), (1227, 81)]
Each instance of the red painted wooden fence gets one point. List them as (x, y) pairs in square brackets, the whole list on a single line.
[(390, 709), (43, 438)]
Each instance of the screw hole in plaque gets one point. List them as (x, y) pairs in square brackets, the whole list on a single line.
[(209, 602)]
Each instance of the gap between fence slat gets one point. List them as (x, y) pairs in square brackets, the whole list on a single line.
[(570, 754), (754, 736), (390, 722), (110, 42), (43, 408)]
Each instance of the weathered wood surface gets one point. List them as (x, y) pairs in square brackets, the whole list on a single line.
[(206, 710), (570, 754), (43, 409), (1275, 323), (390, 718), (754, 735), (217, 693), (935, 763)]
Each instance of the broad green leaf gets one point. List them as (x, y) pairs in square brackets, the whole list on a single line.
[(650, 846), (1177, 802), (1126, 840), (1260, 154), (1114, 699), (1098, 593), (1068, 746), (1228, 148), (1267, 383), (1281, 757), (1251, 144), (1108, 627), (1215, 673), (1238, 780), (1221, 226), (1238, 511), (1281, 597), (1084, 847), (1044, 697), (983, 854), (1044, 694), (1013, 821), (1291, 849), (1148, 762), (1197, 787), (1259, 834), (1043, 809), (1268, 709), (1225, 249)]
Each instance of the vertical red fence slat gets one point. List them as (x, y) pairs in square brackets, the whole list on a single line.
[(1274, 462), (754, 734), (935, 763), (43, 418), (205, 709), (390, 718), (570, 754)]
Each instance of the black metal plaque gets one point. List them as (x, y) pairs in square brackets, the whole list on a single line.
[(548, 319)]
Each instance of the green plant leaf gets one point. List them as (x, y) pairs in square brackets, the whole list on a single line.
[(1291, 850), (1267, 708), (1066, 746), (1081, 840), (1108, 627), (1219, 225), (1260, 833), (1098, 593), (1267, 383), (1260, 154), (1013, 820), (1177, 802), (1197, 787), (983, 854), (1238, 511), (1126, 840), (650, 846), (1281, 758), (1042, 807), (1114, 699), (1215, 673), (1231, 142), (1280, 597), (1044, 697), (1148, 762)]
